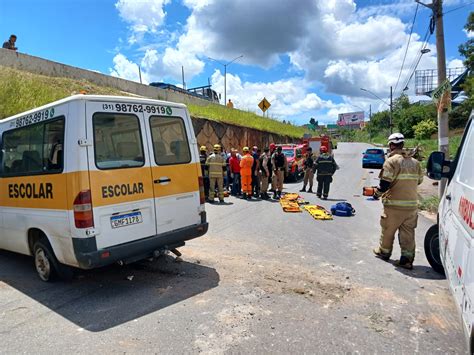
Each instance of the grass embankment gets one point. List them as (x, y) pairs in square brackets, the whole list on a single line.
[(246, 119), (21, 91)]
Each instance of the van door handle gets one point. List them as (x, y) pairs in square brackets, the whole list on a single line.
[(162, 180), (448, 197)]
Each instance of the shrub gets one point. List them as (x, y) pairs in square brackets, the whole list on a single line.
[(424, 129)]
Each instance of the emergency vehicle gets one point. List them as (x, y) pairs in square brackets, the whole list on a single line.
[(294, 154), (316, 142), (91, 180), (449, 245)]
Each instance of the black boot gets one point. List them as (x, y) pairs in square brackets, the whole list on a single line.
[(244, 196), (310, 190), (303, 189), (275, 195), (404, 262)]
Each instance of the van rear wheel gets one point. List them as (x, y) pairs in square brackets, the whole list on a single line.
[(46, 264), (432, 251)]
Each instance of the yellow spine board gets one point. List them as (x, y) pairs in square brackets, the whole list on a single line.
[(318, 212)]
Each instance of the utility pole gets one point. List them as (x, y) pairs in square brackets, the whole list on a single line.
[(140, 74), (391, 110), (443, 128), (182, 75)]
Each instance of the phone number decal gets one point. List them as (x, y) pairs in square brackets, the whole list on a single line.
[(155, 109), (33, 118)]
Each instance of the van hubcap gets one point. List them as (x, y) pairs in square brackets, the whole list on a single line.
[(42, 264)]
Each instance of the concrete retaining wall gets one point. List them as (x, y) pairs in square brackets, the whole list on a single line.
[(42, 66), (230, 136)]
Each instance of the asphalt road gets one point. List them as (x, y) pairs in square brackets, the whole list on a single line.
[(260, 281)]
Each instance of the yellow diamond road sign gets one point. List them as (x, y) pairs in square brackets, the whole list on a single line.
[(264, 105)]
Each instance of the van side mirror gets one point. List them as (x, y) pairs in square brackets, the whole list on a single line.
[(435, 166)]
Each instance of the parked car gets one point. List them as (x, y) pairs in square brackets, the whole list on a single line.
[(373, 158), (295, 157), (449, 244)]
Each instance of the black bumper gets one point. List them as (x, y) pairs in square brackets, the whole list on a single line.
[(88, 257)]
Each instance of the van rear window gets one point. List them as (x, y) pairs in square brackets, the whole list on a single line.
[(34, 149), (117, 141), (170, 142)]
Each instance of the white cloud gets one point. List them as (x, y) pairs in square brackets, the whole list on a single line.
[(469, 34), (142, 15), (125, 69), (289, 98), (333, 44)]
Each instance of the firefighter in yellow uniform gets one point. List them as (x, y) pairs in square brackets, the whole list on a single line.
[(399, 178), (217, 167)]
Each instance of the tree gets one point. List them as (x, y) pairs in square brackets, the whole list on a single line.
[(467, 49), (460, 114)]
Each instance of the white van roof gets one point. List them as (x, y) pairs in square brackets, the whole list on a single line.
[(132, 99)]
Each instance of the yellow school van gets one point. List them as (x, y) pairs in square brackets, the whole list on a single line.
[(92, 180)]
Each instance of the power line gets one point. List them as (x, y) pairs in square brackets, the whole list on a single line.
[(408, 45), (459, 8), (417, 59)]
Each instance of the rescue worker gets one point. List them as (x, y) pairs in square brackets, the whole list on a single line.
[(217, 168), (280, 166), (234, 166), (255, 170), (204, 169), (265, 173), (272, 176), (308, 170), (246, 173), (326, 166), (399, 178)]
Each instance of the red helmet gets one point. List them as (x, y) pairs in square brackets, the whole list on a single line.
[(272, 146), (323, 149)]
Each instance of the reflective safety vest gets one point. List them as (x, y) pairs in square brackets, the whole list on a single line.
[(216, 164), (404, 174), (325, 165)]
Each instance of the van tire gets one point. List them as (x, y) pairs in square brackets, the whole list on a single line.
[(47, 265), (432, 249)]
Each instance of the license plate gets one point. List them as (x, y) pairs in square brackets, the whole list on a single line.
[(124, 220)]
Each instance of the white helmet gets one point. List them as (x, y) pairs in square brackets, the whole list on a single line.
[(396, 138)]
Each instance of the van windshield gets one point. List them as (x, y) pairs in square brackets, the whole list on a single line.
[(117, 141)]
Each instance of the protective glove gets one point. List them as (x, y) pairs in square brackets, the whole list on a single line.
[(377, 194)]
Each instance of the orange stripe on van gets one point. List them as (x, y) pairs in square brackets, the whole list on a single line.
[(108, 187), (41, 191), (120, 186), (184, 179)]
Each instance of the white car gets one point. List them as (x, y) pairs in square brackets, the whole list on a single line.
[(449, 245)]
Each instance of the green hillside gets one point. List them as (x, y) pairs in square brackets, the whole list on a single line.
[(21, 91)]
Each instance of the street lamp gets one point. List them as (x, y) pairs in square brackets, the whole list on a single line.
[(386, 103), (225, 73)]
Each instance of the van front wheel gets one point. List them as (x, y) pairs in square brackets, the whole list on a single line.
[(47, 266), (432, 251)]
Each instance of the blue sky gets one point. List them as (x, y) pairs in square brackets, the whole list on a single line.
[(309, 58)]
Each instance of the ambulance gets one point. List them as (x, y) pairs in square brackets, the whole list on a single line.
[(449, 245), (91, 180)]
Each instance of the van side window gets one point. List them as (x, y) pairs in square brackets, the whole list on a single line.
[(117, 141), (466, 170), (170, 142), (34, 149)]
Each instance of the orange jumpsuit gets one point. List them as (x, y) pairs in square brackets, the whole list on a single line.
[(246, 173)]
